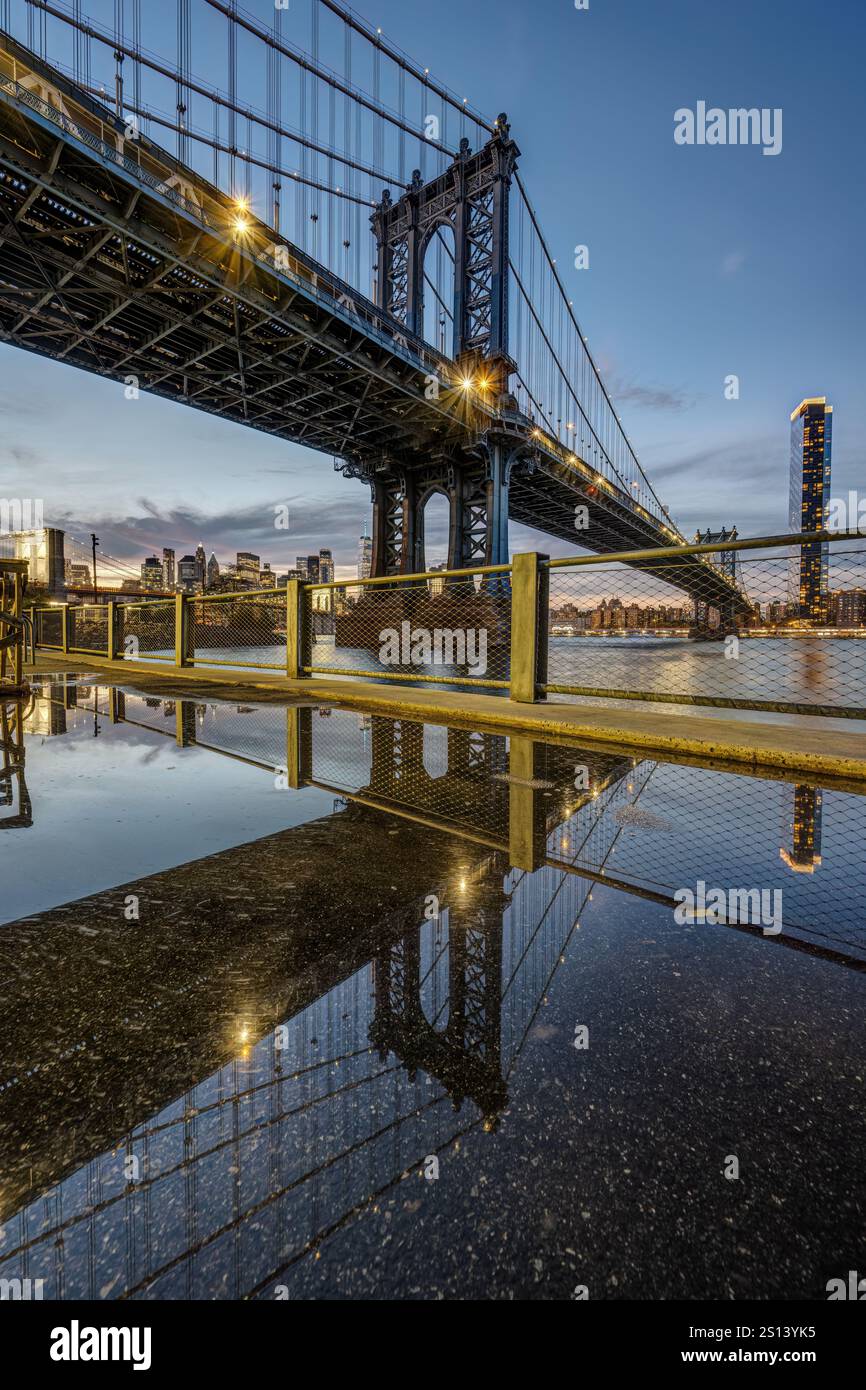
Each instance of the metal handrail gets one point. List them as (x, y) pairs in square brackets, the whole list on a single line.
[(707, 548)]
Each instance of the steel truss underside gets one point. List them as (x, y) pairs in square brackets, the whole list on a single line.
[(100, 272)]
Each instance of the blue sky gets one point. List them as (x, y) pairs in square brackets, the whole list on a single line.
[(704, 262)]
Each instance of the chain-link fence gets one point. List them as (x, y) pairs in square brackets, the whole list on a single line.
[(448, 629), (145, 631), (88, 628), (48, 627), (782, 631), (765, 625), (244, 629)]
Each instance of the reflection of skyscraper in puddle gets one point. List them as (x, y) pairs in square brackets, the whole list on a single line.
[(804, 855)]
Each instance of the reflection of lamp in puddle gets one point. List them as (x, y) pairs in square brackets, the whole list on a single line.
[(243, 1039)]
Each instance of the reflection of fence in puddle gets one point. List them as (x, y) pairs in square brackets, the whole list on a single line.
[(253, 1166), (694, 823), (16, 809), (732, 831)]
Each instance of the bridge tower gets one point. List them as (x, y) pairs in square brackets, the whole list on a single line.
[(472, 198), (719, 619), (463, 1051)]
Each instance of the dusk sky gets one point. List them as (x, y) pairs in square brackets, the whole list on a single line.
[(704, 262)]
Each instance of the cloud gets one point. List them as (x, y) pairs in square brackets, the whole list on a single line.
[(733, 262), (335, 524), (651, 397)]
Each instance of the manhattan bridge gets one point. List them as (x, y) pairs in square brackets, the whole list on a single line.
[(276, 216)]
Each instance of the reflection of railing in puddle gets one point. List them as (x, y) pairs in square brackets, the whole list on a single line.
[(404, 1026), (13, 786), (521, 797)]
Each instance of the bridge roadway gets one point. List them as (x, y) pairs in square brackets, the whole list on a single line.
[(119, 260)]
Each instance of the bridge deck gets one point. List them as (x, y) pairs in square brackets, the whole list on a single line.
[(117, 259)]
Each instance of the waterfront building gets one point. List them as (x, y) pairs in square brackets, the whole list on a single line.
[(79, 575), (848, 608), (811, 446), (187, 575), (249, 567), (169, 572), (152, 575)]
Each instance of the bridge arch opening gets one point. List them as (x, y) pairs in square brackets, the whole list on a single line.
[(435, 754), (437, 288), (436, 523), (435, 992)]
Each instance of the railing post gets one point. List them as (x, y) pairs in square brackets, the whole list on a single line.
[(295, 599), (110, 647), (529, 623), (526, 823), (32, 612), (64, 618), (181, 630), (18, 612)]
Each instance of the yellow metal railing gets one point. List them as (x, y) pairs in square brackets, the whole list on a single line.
[(13, 624), (521, 628)]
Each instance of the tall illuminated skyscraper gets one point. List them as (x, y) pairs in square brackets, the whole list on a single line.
[(811, 440), (365, 556)]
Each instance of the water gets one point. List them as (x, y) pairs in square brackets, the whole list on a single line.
[(807, 671), (245, 1027)]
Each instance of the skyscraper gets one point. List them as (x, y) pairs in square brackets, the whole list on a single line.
[(152, 576), (213, 570), (187, 574), (248, 568), (200, 566), (811, 438), (326, 567), (365, 555), (168, 570)]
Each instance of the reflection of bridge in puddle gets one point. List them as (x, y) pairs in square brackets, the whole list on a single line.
[(292, 1025)]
